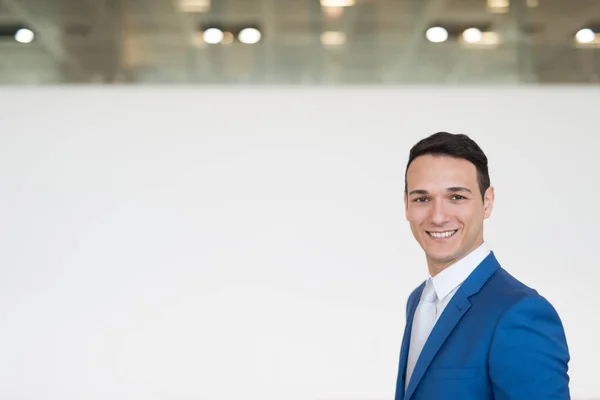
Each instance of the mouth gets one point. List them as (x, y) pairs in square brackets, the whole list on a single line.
[(442, 235)]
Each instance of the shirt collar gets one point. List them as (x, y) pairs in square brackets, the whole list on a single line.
[(447, 280)]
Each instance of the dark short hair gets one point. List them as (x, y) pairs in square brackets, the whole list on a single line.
[(452, 145)]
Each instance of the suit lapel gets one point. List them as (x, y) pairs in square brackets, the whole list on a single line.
[(400, 384), (454, 311)]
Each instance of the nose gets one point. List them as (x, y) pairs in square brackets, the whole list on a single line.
[(439, 213)]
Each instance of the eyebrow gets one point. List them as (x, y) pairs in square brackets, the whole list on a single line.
[(453, 189)]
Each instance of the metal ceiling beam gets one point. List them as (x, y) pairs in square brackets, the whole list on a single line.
[(270, 29), (189, 36), (109, 21), (416, 38)]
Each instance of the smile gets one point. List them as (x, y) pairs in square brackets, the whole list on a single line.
[(442, 235)]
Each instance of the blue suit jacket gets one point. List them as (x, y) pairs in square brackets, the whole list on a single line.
[(496, 339)]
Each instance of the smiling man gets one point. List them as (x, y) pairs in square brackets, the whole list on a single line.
[(473, 331)]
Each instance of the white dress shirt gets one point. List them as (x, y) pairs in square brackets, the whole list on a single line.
[(445, 285), (447, 282)]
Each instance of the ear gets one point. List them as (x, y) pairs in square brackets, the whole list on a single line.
[(488, 202), (405, 205)]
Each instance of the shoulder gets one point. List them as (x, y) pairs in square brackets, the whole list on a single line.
[(528, 350), (521, 308), (504, 298), (507, 291)]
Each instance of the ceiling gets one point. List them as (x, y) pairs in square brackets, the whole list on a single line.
[(157, 41)]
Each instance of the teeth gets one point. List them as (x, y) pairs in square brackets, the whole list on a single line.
[(441, 235)]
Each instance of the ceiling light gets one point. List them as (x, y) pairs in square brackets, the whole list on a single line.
[(333, 38), (24, 36), (337, 3), (249, 36), (213, 36), (498, 6), (472, 35), (194, 6), (585, 36), (436, 34), (532, 3)]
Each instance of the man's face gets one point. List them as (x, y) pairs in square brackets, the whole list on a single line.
[(445, 209)]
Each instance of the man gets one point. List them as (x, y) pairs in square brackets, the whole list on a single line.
[(473, 331)]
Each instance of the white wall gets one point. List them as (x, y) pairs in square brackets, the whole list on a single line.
[(220, 243)]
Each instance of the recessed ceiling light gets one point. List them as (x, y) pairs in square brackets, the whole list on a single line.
[(436, 34), (472, 35), (585, 36), (213, 36), (24, 36), (249, 35)]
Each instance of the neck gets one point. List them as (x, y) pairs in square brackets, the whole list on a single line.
[(437, 266)]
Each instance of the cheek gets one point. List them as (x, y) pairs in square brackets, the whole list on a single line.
[(470, 218), (414, 216), (416, 220)]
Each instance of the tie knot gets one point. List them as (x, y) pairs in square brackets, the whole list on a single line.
[(429, 295)]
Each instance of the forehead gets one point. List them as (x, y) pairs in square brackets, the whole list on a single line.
[(431, 171)]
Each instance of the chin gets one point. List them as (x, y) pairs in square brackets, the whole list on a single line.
[(441, 256)]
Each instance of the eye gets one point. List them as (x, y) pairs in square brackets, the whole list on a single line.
[(420, 199), (458, 197)]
